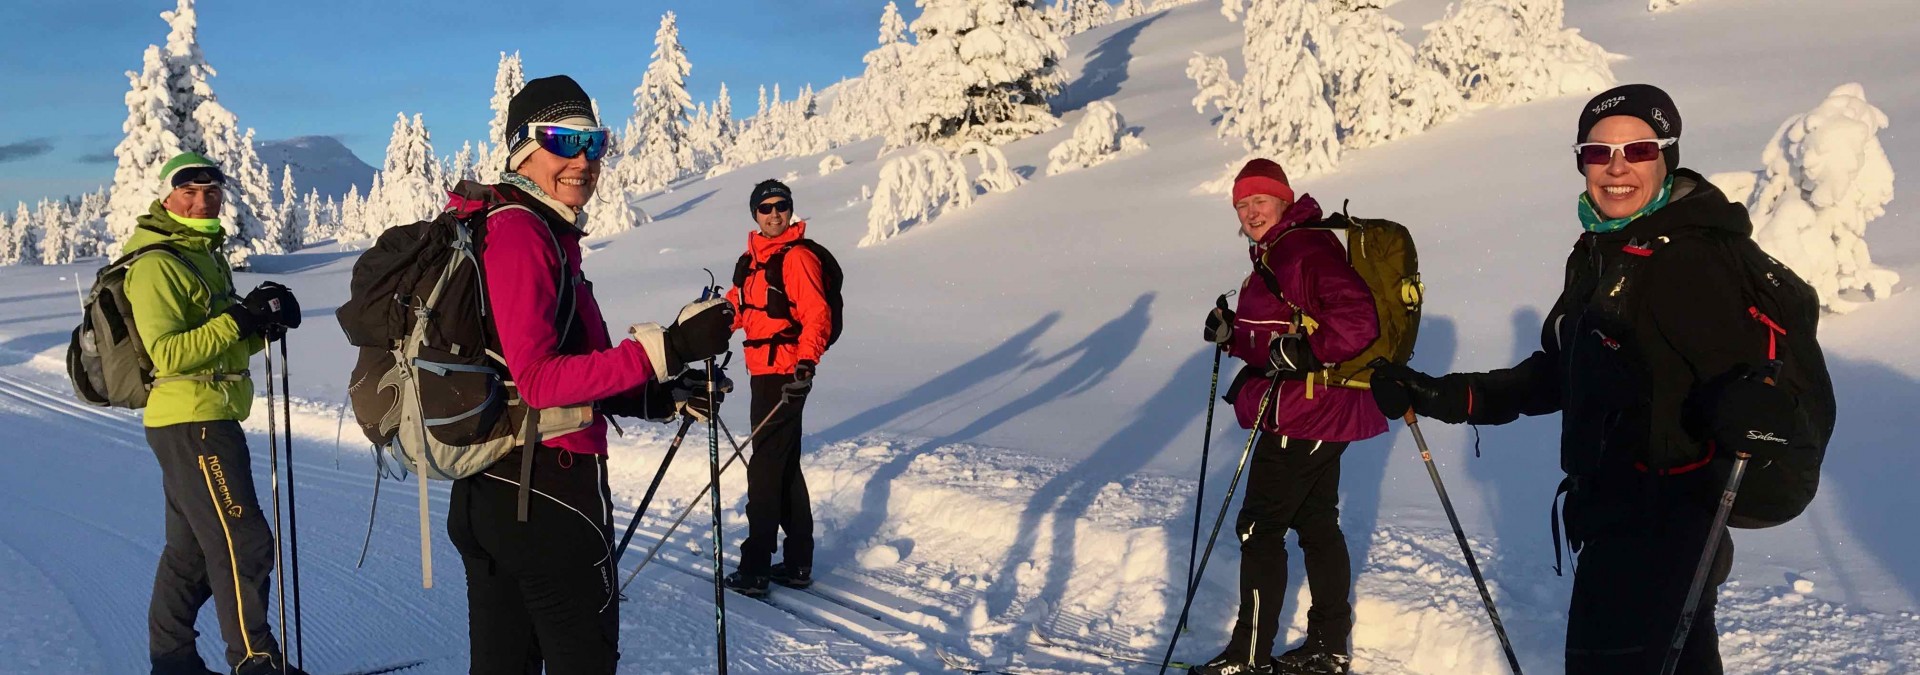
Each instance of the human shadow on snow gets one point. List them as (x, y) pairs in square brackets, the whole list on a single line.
[(1106, 68)]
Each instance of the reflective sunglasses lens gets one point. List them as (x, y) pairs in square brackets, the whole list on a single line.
[(1642, 151), (570, 143)]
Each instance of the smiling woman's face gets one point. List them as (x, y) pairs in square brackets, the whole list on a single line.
[(1620, 188)]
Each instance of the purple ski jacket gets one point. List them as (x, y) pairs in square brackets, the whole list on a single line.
[(1311, 269)]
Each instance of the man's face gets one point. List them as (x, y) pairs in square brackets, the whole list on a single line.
[(774, 214), (194, 201)]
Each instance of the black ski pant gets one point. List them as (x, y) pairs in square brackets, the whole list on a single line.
[(219, 546), (1628, 587), (776, 490), (540, 592), (1293, 484)]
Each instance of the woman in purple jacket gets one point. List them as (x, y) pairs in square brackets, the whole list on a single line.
[(1301, 309)]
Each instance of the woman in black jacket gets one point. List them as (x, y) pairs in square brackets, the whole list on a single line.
[(1655, 364)]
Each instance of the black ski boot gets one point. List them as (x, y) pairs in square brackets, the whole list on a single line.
[(791, 577), (1312, 659), (1233, 661), (750, 585), (264, 665), (184, 665)]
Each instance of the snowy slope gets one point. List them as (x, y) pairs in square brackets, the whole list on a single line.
[(1003, 445)]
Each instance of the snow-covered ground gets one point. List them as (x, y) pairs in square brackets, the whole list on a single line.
[(1002, 449)]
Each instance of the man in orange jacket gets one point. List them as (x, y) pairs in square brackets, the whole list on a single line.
[(780, 299)]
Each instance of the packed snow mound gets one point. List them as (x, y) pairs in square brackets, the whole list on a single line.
[(1100, 136), (1825, 177)]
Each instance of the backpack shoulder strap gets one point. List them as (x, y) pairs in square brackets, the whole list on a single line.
[(163, 248)]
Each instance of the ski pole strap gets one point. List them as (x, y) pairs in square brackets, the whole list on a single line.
[(529, 442), (241, 376)]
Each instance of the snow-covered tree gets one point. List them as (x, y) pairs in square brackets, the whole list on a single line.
[(1825, 177), (1379, 90), (914, 188), (350, 225), (983, 70), (410, 188), (462, 166), (313, 218), (1085, 15), (832, 163), (1280, 108), (996, 173), (171, 108), (55, 235), (877, 104), (1512, 51), (287, 216), (20, 244), (1128, 9), (1159, 5), (78, 232), (657, 150), (508, 79), (1101, 135)]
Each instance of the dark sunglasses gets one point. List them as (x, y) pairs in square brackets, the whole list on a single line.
[(1634, 151), (783, 206)]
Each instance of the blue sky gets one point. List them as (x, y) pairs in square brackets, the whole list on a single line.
[(344, 67)]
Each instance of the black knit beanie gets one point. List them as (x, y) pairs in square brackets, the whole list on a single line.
[(1643, 101), (548, 99), (768, 188)]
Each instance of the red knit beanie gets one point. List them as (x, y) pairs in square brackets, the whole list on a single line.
[(1261, 177)]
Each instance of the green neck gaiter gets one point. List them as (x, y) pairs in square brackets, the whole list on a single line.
[(1592, 221), (201, 225)]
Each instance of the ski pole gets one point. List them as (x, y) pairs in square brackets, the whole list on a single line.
[(658, 476), (273, 485), (293, 503), (1206, 444), (1499, 629), (1700, 572), (1232, 486), (719, 585), (738, 451)]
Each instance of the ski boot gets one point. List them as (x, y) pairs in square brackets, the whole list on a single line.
[(185, 665), (790, 577), (265, 665), (1312, 659), (1232, 662), (750, 585)]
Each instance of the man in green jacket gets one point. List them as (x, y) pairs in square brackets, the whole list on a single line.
[(200, 336)]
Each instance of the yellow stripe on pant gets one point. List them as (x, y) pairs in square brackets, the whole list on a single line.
[(233, 561)]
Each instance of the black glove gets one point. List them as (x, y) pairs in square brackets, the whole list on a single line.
[(691, 397), (802, 379), (703, 331), (1753, 417), (1397, 388), (1289, 357), (285, 308), (265, 309), (1219, 323)]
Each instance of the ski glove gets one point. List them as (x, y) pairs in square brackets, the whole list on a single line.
[(1220, 323), (268, 311), (802, 379), (1289, 357), (702, 331), (690, 393), (1753, 417), (1397, 389)]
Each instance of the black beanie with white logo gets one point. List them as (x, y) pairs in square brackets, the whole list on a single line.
[(1643, 101), (554, 99)]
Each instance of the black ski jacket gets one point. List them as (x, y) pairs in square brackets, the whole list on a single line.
[(1651, 320)]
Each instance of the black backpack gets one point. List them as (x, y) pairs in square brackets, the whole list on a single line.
[(778, 307), (107, 363), (1775, 493)]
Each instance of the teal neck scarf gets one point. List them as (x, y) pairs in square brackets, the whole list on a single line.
[(1592, 221)]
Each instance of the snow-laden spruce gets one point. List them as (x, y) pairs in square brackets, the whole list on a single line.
[(832, 163), (712, 132), (291, 219), (508, 78), (1379, 90), (657, 134), (982, 71), (1128, 9), (1085, 15), (1102, 135), (1280, 108), (411, 188), (20, 238), (1825, 177), (914, 188), (874, 104), (781, 129), (1502, 52), (996, 174), (171, 108)]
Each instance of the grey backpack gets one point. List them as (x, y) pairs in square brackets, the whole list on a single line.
[(106, 361)]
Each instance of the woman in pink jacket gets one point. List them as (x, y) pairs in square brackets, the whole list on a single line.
[(542, 592), (1306, 308)]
